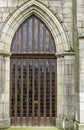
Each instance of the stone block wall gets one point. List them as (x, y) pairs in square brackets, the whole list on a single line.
[(4, 91), (80, 66), (64, 11), (65, 90)]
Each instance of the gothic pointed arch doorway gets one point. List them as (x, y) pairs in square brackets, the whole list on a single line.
[(33, 75)]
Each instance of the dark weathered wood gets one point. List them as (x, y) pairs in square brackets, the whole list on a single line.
[(32, 114), (27, 96), (16, 91), (39, 92), (50, 42), (33, 31), (38, 36), (44, 38), (11, 89), (16, 41), (50, 91), (55, 88), (45, 92), (27, 37), (33, 92), (22, 38), (21, 105)]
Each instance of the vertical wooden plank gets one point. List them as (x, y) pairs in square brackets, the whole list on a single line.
[(33, 92), (39, 92), (33, 75), (16, 73), (50, 41), (55, 88), (33, 31), (27, 37), (27, 96), (38, 36), (21, 105), (11, 87), (44, 91), (51, 91), (44, 37), (16, 41), (22, 38)]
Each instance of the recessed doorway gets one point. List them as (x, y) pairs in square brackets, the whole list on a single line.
[(33, 75)]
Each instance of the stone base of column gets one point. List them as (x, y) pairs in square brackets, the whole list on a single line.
[(79, 126), (4, 123), (58, 123), (65, 123)]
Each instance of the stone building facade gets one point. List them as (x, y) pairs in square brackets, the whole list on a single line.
[(65, 20)]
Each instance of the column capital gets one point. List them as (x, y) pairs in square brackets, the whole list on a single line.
[(5, 54), (62, 54)]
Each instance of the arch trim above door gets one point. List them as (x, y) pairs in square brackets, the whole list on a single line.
[(20, 15)]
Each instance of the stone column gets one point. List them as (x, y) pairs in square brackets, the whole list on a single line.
[(80, 66), (69, 89), (4, 90), (80, 88), (60, 93), (65, 89)]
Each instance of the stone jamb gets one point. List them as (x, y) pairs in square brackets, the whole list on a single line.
[(63, 91)]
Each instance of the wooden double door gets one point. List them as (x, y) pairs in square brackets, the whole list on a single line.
[(33, 75), (33, 91)]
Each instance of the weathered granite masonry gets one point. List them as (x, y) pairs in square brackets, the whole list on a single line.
[(65, 20), (80, 66)]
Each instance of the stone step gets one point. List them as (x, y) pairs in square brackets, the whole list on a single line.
[(33, 128)]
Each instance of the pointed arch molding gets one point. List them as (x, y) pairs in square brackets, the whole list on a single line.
[(21, 14)]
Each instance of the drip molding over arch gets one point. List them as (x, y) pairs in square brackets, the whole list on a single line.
[(21, 14)]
